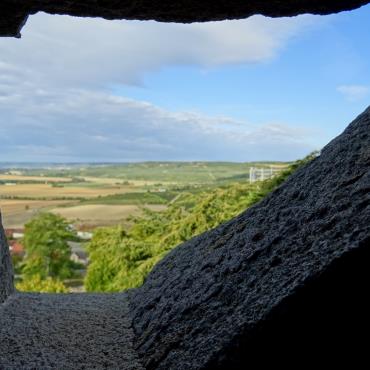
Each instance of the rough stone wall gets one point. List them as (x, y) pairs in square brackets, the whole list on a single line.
[(76, 331), (6, 269), (202, 305), (14, 13)]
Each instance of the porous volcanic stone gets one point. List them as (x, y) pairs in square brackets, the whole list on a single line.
[(14, 13), (66, 331), (295, 263), (6, 270)]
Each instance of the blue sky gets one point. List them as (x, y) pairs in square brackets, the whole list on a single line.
[(257, 89)]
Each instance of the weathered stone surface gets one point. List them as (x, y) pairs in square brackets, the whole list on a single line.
[(66, 331), (6, 270), (295, 263), (14, 13)]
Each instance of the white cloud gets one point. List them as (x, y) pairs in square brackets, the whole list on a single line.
[(354, 92), (63, 50), (81, 124), (56, 102)]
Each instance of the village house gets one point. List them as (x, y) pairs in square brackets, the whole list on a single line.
[(12, 233), (16, 248), (78, 253)]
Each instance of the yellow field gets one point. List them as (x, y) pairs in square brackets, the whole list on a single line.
[(16, 213), (96, 180), (33, 178), (114, 181), (101, 214), (48, 191)]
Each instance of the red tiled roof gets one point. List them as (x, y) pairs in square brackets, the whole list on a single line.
[(16, 247)]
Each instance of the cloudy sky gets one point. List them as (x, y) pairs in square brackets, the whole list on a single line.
[(258, 89)]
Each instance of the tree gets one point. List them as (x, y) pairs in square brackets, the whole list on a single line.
[(36, 284), (47, 251)]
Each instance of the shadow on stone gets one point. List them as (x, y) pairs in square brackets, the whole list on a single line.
[(324, 322)]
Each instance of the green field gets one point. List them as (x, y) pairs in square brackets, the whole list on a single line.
[(99, 195), (173, 172)]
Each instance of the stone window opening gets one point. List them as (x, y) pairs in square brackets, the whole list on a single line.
[(248, 308)]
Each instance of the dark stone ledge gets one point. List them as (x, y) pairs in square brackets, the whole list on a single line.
[(14, 13)]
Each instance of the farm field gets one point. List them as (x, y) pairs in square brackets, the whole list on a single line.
[(131, 182), (95, 195), (15, 213), (20, 202), (101, 214), (163, 172), (42, 179), (48, 191)]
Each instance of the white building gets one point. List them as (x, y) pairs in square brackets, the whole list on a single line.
[(261, 174), (84, 235), (78, 253)]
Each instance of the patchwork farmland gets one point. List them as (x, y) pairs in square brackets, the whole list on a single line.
[(98, 195)]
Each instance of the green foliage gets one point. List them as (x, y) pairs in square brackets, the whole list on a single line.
[(116, 257), (121, 259), (36, 283), (47, 250), (17, 261)]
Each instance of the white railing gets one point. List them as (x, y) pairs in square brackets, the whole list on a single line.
[(260, 174)]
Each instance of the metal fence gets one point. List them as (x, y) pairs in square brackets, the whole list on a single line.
[(260, 174)]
